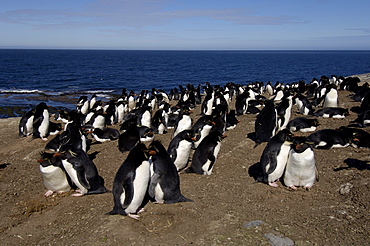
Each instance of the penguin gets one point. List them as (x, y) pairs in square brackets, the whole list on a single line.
[(265, 124), (131, 101), (242, 103), (284, 111), (274, 157), (303, 104), (205, 155), (301, 166), (159, 121), (129, 139), (110, 113), (121, 110), (82, 171), (231, 120), (164, 186), (105, 134), (360, 138), (131, 183), (338, 113), (201, 128), (269, 89), (363, 119), (303, 124), (184, 121), (97, 120), (329, 138), (144, 116), (54, 128), (206, 107), (41, 122), (74, 136), (146, 133), (83, 105), (92, 101), (54, 144), (53, 174), (26, 124), (180, 147), (331, 97)]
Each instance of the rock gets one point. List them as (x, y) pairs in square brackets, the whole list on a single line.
[(278, 241)]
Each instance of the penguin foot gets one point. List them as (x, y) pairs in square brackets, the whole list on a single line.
[(78, 193), (48, 193), (293, 187), (308, 188), (134, 216), (273, 184), (45, 139), (141, 210), (158, 202)]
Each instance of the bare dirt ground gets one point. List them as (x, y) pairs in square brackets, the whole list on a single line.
[(334, 212)]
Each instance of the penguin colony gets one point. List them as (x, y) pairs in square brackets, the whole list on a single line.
[(151, 173)]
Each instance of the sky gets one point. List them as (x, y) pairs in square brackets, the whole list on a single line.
[(186, 24)]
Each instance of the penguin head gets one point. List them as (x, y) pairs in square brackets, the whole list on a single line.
[(300, 144)]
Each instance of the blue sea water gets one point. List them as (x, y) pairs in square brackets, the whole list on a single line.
[(25, 73)]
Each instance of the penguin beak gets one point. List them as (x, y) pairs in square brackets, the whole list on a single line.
[(152, 152), (40, 160), (57, 154)]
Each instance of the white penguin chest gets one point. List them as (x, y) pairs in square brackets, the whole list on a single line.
[(207, 168), (73, 175), (140, 185), (182, 154)]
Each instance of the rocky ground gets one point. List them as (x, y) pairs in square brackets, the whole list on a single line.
[(229, 207)]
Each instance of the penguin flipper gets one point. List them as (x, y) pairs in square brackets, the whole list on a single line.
[(82, 178), (155, 179)]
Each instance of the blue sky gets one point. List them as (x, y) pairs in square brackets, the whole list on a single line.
[(186, 24)]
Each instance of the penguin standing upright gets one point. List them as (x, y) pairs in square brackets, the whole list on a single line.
[(82, 171), (41, 122), (274, 158), (284, 111), (201, 128), (83, 105), (131, 183), (206, 108), (301, 167), (26, 124), (265, 124), (53, 174), (144, 116), (184, 121), (180, 147), (205, 155), (331, 97), (159, 122), (164, 184)]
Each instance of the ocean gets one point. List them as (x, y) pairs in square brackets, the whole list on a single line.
[(29, 76)]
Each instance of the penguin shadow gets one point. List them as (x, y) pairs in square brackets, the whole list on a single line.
[(254, 171), (93, 155), (354, 163), (4, 165), (252, 136), (356, 109)]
